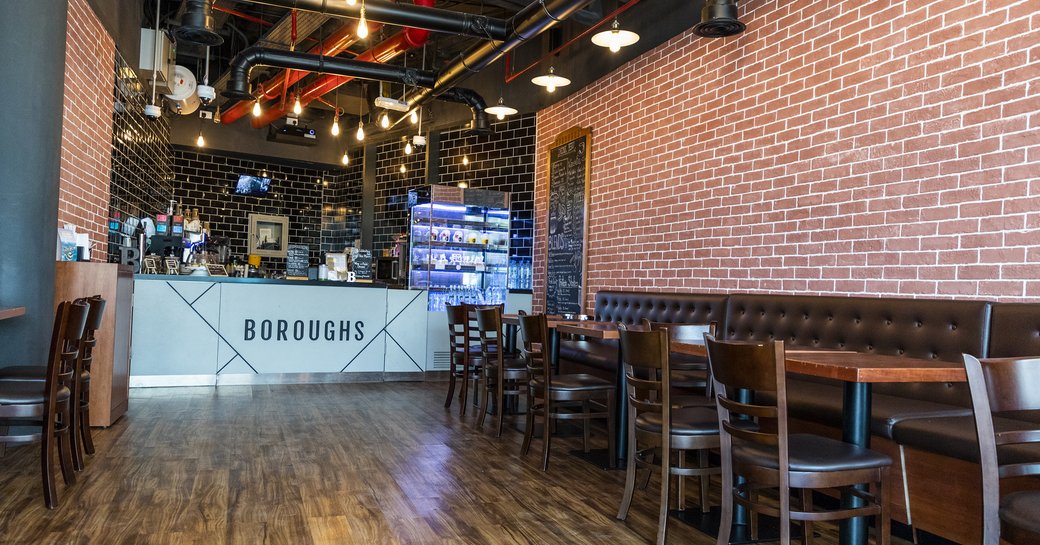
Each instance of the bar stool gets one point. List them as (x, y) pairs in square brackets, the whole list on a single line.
[(82, 441), (47, 404), (465, 356), (653, 422), (1004, 385), (547, 393), (501, 375), (768, 457)]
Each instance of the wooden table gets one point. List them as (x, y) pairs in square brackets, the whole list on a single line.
[(857, 371), (11, 312)]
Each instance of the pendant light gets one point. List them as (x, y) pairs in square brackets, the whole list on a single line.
[(351, 2), (615, 38), (362, 24), (384, 120), (297, 108), (335, 125), (414, 117), (403, 169), (465, 160), (408, 148), (346, 158), (360, 131), (360, 122), (200, 141), (550, 81), (500, 110), (257, 110)]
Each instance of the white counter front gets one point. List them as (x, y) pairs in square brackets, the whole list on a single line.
[(210, 330)]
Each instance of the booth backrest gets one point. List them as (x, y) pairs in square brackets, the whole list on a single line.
[(689, 308), (1015, 330)]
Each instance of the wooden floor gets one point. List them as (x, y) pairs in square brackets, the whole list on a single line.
[(321, 464)]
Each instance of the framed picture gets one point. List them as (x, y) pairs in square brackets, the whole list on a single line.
[(268, 235)]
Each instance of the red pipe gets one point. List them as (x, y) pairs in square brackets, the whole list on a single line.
[(336, 43), (401, 42)]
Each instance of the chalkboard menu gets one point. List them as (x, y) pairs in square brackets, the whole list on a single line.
[(363, 265), (297, 260), (568, 202)]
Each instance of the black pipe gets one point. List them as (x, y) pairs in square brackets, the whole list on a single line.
[(197, 24), (529, 22), (476, 104), (381, 11), (238, 83)]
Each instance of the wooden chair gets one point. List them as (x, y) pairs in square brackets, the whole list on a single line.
[(465, 354), (756, 445), (501, 375), (1005, 385), (691, 385), (48, 404), (653, 423), (82, 441), (548, 393)]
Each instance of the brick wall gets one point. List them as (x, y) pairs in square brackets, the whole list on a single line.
[(848, 147), (86, 154)]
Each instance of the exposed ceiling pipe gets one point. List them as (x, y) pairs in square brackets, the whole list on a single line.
[(529, 22), (238, 86), (476, 104), (322, 85), (415, 16), (335, 44), (197, 24), (719, 19)]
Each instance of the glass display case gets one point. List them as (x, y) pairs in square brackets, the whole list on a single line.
[(460, 252)]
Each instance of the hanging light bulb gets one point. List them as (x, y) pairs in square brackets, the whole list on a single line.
[(256, 108), (403, 169), (500, 110), (200, 141), (615, 38), (335, 126), (408, 148), (384, 121), (362, 25), (360, 131), (351, 2), (414, 117), (346, 158), (551, 81), (465, 160), (297, 108), (216, 116)]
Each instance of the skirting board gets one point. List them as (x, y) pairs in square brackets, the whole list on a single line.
[(164, 381)]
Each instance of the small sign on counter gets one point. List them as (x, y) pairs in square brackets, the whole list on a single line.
[(363, 265), (297, 261)]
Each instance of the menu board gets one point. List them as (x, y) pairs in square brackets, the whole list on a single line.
[(297, 260), (568, 203), (363, 265)]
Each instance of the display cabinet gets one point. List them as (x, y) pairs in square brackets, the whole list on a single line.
[(460, 250)]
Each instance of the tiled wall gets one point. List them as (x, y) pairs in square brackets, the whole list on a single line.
[(873, 148), (206, 181), (86, 159), (341, 206), (502, 161)]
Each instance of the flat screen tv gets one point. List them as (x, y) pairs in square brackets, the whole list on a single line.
[(252, 185)]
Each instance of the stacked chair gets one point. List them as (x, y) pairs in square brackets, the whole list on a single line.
[(501, 375)]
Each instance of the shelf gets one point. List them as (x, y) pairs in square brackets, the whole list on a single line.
[(438, 222), (460, 246), (464, 269)]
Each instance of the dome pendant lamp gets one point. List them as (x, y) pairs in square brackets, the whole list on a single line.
[(550, 81), (615, 38)]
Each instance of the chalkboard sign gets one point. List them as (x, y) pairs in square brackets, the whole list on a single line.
[(363, 265), (297, 260), (568, 204)]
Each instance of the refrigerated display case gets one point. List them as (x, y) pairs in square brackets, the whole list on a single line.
[(460, 247)]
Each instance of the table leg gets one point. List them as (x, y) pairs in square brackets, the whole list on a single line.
[(855, 420), (554, 338), (741, 527), (621, 410), (511, 335)]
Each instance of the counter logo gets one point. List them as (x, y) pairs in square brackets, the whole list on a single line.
[(299, 330)]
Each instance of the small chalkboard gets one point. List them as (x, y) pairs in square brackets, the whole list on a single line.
[(363, 266), (568, 204), (216, 269), (297, 260)]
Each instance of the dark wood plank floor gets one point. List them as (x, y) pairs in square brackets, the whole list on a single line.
[(321, 464)]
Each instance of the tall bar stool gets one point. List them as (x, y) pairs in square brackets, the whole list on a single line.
[(465, 354), (548, 393), (775, 459), (47, 404), (502, 376), (82, 441), (652, 422), (999, 386)]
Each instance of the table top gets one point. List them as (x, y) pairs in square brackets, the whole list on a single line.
[(514, 319), (857, 366), (597, 330), (11, 312)]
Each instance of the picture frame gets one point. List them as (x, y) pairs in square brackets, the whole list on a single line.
[(268, 236)]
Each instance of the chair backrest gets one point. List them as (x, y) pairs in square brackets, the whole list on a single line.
[(644, 355), (489, 332), (458, 325), (70, 321), (1001, 385), (95, 315), (740, 369), (534, 330)]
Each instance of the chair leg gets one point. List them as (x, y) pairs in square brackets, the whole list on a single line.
[(84, 426), (884, 526), (649, 471), (500, 404), (547, 434), (666, 480), (68, 473), (482, 411), (451, 386), (726, 522), (704, 480), (74, 429), (47, 448), (585, 426), (630, 471), (807, 525), (529, 428), (611, 444), (680, 491)]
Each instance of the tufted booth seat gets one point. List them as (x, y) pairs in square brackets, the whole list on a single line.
[(632, 308)]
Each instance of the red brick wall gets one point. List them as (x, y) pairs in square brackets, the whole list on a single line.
[(848, 147), (86, 147)]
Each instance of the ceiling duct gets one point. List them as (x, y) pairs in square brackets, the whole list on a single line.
[(719, 19), (197, 24)]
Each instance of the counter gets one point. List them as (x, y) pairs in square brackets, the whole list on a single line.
[(200, 330)]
